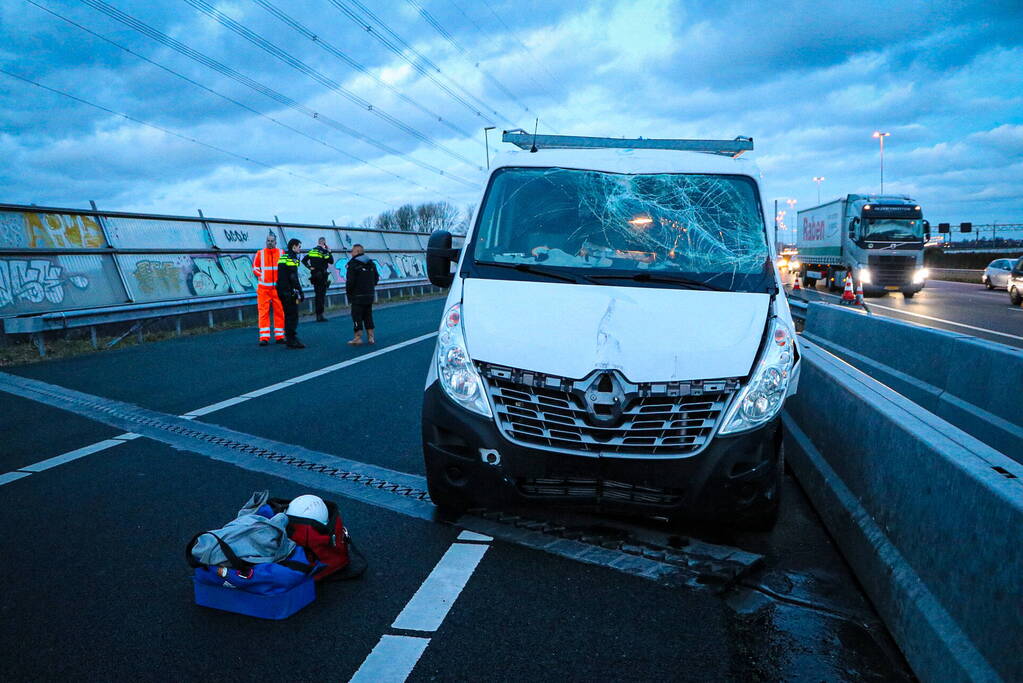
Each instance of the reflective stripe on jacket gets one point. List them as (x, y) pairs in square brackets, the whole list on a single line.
[(264, 266)]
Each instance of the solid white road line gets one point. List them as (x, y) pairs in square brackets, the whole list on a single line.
[(206, 410), (431, 603), (72, 455), (392, 660), (928, 317), (394, 657)]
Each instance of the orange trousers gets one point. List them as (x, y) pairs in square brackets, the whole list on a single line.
[(266, 297)]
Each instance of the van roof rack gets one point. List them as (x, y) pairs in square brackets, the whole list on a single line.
[(728, 148)]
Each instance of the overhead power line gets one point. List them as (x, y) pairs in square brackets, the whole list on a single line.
[(515, 36), (485, 32), (437, 26), (227, 71), (399, 46), (227, 98), (340, 54), (207, 145), (327, 82)]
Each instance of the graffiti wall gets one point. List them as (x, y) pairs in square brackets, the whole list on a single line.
[(158, 277), (146, 233), (23, 230), (242, 235), (37, 284)]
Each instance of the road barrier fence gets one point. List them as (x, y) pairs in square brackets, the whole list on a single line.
[(62, 268)]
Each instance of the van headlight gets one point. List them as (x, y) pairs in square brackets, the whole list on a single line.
[(455, 371), (762, 397), (920, 275)]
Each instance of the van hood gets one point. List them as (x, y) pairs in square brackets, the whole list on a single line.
[(647, 333)]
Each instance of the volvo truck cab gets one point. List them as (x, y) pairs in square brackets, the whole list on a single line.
[(614, 336)]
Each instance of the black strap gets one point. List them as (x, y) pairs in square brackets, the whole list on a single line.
[(350, 572), (233, 560)]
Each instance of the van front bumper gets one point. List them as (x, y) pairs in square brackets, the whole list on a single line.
[(732, 475)]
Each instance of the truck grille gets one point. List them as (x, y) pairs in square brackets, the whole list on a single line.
[(891, 270), (655, 419), (600, 490)]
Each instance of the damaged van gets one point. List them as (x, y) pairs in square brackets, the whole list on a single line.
[(615, 336)]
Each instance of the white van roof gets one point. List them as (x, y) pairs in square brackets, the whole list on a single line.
[(628, 161)]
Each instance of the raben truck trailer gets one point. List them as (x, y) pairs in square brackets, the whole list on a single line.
[(878, 238)]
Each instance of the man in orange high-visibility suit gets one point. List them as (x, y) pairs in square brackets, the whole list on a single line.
[(265, 268)]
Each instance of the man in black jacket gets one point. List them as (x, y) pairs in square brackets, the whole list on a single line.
[(317, 260), (361, 279), (289, 290)]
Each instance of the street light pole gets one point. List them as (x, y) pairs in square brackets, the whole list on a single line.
[(818, 179), (486, 143), (881, 136)]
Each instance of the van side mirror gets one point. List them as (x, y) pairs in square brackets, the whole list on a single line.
[(439, 256)]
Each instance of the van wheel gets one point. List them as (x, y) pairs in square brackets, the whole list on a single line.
[(447, 499)]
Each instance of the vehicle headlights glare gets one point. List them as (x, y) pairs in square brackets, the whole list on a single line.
[(865, 275), (920, 275), (762, 397), (455, 371)]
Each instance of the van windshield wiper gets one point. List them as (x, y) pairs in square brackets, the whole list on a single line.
[(665, 279), (536, 270)]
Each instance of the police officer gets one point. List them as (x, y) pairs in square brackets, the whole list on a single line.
[(289, 290), (317, 260)]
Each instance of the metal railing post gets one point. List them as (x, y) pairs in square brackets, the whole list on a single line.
[(113, 253)]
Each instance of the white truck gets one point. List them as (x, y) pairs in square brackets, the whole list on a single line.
[(879, 239), (614, 335)]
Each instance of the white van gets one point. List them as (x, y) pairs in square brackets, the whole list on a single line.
[(615, 336)]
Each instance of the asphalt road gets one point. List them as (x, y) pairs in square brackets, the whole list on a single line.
[(95, 585), (960, 307)]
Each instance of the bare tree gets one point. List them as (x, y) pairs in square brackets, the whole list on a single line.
[(405, 217)]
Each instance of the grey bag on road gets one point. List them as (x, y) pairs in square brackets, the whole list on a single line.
[(252, 537)]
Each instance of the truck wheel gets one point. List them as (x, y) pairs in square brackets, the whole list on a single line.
[(908, 295), (809, 283)]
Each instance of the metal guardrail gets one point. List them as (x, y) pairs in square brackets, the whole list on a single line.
[(940, 273)]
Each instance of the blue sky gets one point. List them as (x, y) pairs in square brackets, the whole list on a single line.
[(810, 81)]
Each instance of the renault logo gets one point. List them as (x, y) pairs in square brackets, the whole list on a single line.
[(605, 399)]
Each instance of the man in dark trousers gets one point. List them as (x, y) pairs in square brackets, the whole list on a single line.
[(361, 279), (317, 260), (289, 290)]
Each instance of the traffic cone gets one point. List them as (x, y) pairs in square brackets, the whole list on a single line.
[(847, 296), (859, 294), (796, 286)]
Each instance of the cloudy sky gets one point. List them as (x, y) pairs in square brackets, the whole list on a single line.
[(314, 110)]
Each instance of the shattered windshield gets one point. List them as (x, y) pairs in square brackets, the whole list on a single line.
[(886, 229), (706, 228)]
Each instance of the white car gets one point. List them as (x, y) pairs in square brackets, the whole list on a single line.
[(997, 273), (615, 337)]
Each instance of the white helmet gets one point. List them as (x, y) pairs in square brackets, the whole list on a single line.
[(309, 507)]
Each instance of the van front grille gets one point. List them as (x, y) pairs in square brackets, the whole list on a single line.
[(598, 490), (653, 419)]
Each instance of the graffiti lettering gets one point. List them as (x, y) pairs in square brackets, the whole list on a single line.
[(35, 281), (158, 277), (412, 266), (51, 230), (236, 235), (239, 272)]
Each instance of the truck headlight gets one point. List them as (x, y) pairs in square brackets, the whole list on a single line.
[(920, 275), (762, 397), (865, 275), (455, 371)]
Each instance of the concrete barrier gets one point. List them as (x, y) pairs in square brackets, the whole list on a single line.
[(929, 517), (972, 383)]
